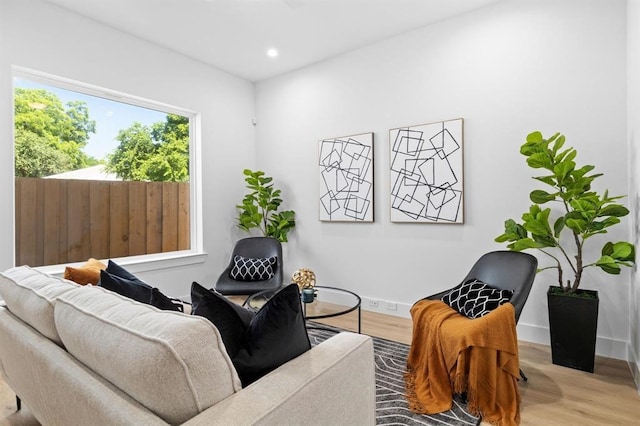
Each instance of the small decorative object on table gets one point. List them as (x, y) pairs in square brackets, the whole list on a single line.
[(306, 280)]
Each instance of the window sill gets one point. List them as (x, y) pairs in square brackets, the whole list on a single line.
[(144, 263)]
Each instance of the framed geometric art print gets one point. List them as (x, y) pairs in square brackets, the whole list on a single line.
[(346, 178), (426, 173)]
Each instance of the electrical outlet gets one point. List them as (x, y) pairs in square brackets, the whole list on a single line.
[(391, 306), (373, 303)]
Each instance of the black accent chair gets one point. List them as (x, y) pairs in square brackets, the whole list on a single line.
[(506, 270), (254, 247)]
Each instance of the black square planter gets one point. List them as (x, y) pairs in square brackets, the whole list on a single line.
[(573, 323)]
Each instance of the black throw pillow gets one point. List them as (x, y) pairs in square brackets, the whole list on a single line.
[(160, 301), (114, 269), (231, 319), (474, 299), (275, 335), (135, 288)]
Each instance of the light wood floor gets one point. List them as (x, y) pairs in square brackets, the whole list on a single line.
[(553, 395)]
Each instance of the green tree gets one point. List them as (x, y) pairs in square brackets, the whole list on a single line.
[(35, 157), (59, 134), (135, 148), (157, 153)]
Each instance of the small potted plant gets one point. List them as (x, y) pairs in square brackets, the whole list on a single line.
[(259, 208), (583, 215)]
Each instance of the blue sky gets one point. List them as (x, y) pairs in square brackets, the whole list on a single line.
[(110, 116)]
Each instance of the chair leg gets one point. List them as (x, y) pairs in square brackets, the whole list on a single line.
[(18, 403), (523, 376)]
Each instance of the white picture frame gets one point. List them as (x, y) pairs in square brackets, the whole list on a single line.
[(346, 178), (426, 166)]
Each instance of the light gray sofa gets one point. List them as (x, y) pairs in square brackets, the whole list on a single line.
[(80, 355)]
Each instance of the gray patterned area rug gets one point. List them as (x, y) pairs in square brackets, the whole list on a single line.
[(391, 405)]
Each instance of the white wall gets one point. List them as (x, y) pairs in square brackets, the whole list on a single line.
[(633, 126), (46, 38), (507, 69)]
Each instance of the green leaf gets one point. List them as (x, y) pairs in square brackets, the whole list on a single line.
[(535, 137), (558, 226), (539, 160), (620, 251), (608, 265), (524, 244), (549, 180), (566, 155), (563, 169), (583, 205), (540, 197), (578, 173), (537, 227), (576, 225), (559, 142), (614, 210)]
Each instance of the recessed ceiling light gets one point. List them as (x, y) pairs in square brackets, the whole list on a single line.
[(272, 53)]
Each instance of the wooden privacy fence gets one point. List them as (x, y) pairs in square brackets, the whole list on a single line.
[(61, 221)]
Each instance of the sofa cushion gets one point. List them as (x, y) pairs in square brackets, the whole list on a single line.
[(173, 364), (31, 295), (89, 273)]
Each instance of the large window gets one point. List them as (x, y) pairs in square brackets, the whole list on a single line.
[(99, 174)]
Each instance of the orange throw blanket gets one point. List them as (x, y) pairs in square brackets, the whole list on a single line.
[(451, 353)]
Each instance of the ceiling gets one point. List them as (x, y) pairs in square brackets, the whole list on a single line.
[(234, 35)]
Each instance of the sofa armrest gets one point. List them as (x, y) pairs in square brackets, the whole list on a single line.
[(333, 383)]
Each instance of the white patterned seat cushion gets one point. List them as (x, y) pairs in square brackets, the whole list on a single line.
[(474, 299), (252, 269)]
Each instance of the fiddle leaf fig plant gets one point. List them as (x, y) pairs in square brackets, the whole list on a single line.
[(583, 214), (259, 208)]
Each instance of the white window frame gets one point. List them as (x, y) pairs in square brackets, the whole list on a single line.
[(147, 262)]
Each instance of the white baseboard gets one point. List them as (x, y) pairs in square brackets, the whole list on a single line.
[(617, 349), (607, 347), (634, 365)]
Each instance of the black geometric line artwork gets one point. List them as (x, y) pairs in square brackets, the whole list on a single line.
[(346, 178), (426, 165)]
